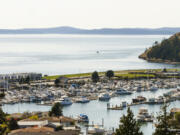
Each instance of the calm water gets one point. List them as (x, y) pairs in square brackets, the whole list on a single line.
[(96, 110), (65, 54)]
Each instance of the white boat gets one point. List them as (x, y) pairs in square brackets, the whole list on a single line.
[(82, 100), (104, 97), (123, 92), (64, 101), (97, 130), (144, 116)]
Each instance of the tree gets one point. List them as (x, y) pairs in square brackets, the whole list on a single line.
[(27, 80), (164, 70), (13, 124), (95, 77), (56, 82), (56, 110), (110, 74), (163, 125), (128, 125)]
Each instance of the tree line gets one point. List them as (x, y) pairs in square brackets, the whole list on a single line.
[(168, 49)]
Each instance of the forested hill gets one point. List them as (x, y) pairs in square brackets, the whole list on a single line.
[(167, 50)]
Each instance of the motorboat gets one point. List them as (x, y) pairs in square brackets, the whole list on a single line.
[(83, 118), (151, 101), (64, 101), (144, 116), (153, 89), (104, 97), (123, 92), (82, 100), (139, 99)]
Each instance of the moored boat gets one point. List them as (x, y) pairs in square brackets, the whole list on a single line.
[(83, 118), (64, 101), (104, 97), (123, 92), (144, 116)]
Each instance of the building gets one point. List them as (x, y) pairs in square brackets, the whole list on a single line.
[(18, 76), (175, 110)]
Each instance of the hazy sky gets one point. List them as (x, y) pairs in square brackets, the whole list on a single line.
[(89, 13)]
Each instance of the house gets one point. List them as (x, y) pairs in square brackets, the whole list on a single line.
[(67, 121), (174, 110)]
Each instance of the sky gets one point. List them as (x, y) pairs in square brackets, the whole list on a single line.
[(89, 14)]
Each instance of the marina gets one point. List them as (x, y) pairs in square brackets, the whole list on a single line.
[(97, 110)]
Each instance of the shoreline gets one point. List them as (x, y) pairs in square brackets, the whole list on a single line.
[(160, 61)]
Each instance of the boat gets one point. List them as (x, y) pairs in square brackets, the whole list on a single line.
[(32, 98), (124, 104), (64, 101), (160, 100), (139, 99), (123, 92), (82, 100), (83, 118), (97, 130), (153, 89), (139, 89), (151, 101), (144, 116), (104, 97)]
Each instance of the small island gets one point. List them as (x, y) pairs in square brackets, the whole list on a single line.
[(168, 51)]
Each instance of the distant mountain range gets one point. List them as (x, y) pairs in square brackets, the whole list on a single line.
[(103, 31)]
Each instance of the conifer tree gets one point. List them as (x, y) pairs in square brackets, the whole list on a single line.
[(128, 125), (162, 127)]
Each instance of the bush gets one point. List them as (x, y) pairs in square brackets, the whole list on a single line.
[(34, 117)]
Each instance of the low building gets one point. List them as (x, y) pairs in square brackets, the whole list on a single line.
[(175, 110), (18, 76), (25, 124)]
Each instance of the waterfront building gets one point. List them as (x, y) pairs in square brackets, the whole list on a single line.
[(18, 76)]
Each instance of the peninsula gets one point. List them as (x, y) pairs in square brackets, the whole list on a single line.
[(168, 51)]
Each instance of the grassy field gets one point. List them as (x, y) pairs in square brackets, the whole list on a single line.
[(121, 73)]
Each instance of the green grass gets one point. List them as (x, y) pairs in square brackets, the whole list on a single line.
[(121, 73), (134, 75)]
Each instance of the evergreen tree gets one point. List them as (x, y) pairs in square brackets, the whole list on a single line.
[(56, 110), (95, 77), (56, 82), (163, 125), (109, 74), (13, 124), (128, 125)]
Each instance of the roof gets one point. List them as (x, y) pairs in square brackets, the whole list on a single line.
[(66, 119), (174, 110), (32, 123), (43, 131), (33, 129)]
